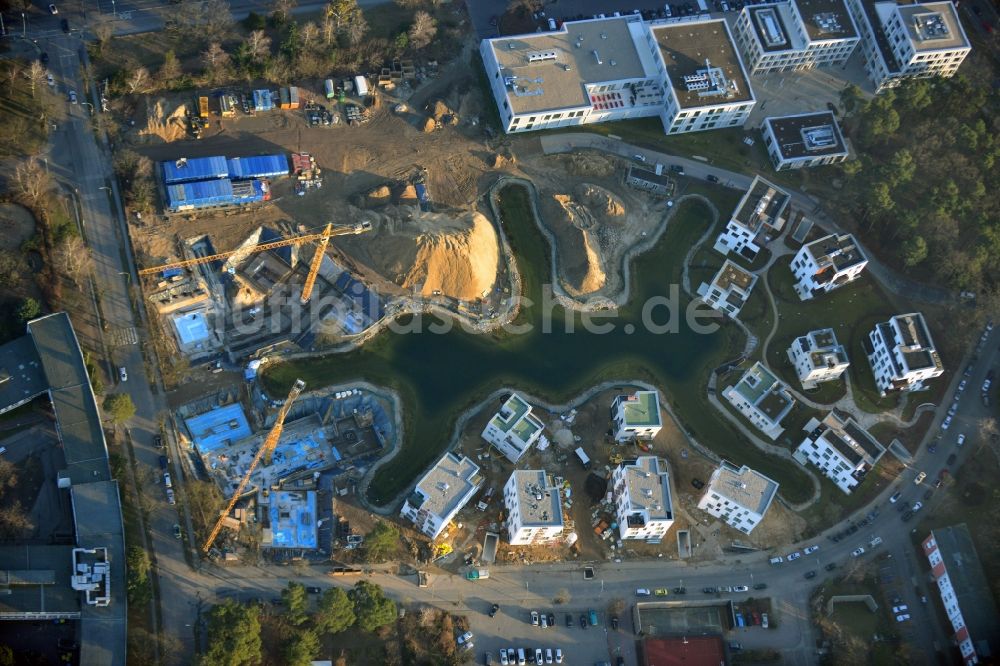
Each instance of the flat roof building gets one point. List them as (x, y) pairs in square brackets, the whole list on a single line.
[(534, 508), (841, 449), (636, 416), (514, 428), (762, 398), (738, 495), (795, 35), (902, 354), (965, 593), (649, 181), (602, 70), (761, 211), (827, 264), (643, 507), (441, 493), (804, 140), (288, 519), (730, 289), (903, 40), (818, 357)]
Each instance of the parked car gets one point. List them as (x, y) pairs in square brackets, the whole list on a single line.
[(552, 619), (177, 531), (64, 24), (312, 589), (778, 559), (810, 550), (122, 373), (858, 552), (900, 609), (946, 423), (163, 463), (166, 480), (741, 588), (793, 556), (810, 574), (895, 497), (170, 496), (920, 478), (53, 10), (709, 590), (583, 621), (903, 618), (51, 81), (539, 659), (642, 592), (763, 620), (493, 610), (614, 622), (698, 484), (712, 179), (559, 656), (569, 619), (961, 440), (43, 58), (534, 618), (917, 507), (467, 636), (503, 657), (660, 592), (548, 651), (545, 621)]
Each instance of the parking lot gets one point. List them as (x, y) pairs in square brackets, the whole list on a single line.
[(512, 628)]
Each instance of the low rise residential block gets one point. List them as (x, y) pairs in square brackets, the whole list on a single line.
[(759, 213), (643, 507), (818, 357), (738, 495), (441, 493), (534, 508), (636, 416), (762, 398), (804, 140), (514, 428), (826, 264), (902, 354), (730, 289), (841, 449)]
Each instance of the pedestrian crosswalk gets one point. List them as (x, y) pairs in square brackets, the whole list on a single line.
[(125, 336)]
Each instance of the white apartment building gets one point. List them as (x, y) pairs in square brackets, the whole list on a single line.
[(762, 398), (739, 496), (636, 416), (804, 140), (534, 508), (643, 508), (760, 212), (514, 428), (965, 593), (730, 289), (601, 70), (901, 41), (902, 354), (826, 264), (818, 357), (441, 493), (842, 450), (795, 35)]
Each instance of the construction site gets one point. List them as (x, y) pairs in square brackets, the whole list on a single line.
[(282, 470)]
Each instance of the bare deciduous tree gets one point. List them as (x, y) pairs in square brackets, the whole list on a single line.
[(328, 29), (13, 520), (103, 33), (32, 182), (309, 35), (215, 59), (13, 74), (215, 19), (283, 9), (35, 74), (138, 81), (74, 257), (356, 29), (423, 30), (258, 45)]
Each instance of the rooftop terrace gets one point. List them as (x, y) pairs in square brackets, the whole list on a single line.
[(826, 19), (539, 501), (763, 203), (744, 486), (932, 26), (731, 275), (839, 251), (641, 409)]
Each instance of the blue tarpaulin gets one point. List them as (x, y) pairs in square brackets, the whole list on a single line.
[(186, 170), (200, 194), (262, 100), (259, 166)]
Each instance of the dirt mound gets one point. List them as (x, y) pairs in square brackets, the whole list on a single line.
[(433, 252), (439, 110), (600, 201), (378, 196), (587, 164), (164, 123), (575, 225), (576, 214), (429, 125)]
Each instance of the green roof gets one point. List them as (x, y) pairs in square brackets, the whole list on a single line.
[(641, 409), (511, 412)]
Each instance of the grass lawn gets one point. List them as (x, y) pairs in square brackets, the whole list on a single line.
[(851, 311)]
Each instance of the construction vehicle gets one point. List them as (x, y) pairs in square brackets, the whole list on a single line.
[(203, 107), (265, 451), (317, 260)]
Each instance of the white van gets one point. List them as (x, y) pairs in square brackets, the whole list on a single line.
[(583, 457), (777, 560), (521, 659)]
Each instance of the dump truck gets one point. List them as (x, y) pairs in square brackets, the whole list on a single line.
[(203, 107)]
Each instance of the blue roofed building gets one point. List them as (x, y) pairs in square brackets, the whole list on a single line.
[(218, 428), (186, 170), (288, 519), (258, 166)]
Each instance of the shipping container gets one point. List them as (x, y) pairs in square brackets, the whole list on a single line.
[(199, 194), (329, 89), (258, 166), (360, 86), (283, 94), (293, 97), (227, 106), (422, 195), (262, 100), (185, 170), (203, 107)]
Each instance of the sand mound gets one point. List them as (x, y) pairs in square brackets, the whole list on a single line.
[(436, 253), (594, 277), (575, 213), (581, 266), (587, 164), (168, 125), (600, 201), (439, 110)]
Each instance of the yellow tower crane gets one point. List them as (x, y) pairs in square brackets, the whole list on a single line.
[(265, 451), (323, 238)]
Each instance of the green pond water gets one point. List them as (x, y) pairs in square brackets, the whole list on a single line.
[(440, 375)]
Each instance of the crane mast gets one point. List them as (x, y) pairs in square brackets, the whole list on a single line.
[(265, 451)]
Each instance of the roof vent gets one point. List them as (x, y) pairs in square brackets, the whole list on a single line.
[(604, 35), (597, 56)]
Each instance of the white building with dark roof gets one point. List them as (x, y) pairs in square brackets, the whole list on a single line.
[(514, 428), (818, 357), (840, 448), (738, 495), (827, 264), (643, 508), (901, 41), (902, 354), (441, 493), (729, 290), (761, 211), (762, 398), (804, 140), (601, 70), (795, 34), (534, 508), (965, 593), (636, 416)]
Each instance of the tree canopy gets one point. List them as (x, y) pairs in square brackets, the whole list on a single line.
[(296, 601), (233, 635), (335, 611), (119, 407), (381, 542), (372, 608)]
